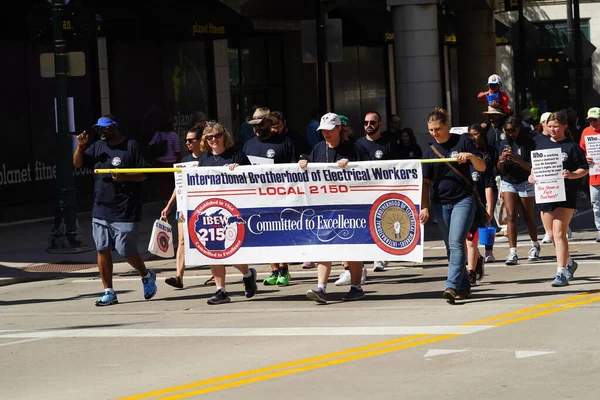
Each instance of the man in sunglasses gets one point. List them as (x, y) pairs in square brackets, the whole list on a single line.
[(268, 147), (374, 147), (593, 117), (117, 209)]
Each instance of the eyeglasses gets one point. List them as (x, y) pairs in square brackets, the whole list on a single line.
[(191, 140), (371, 122), (215, 136)]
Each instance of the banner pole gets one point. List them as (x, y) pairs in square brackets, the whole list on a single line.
[(159, 170)]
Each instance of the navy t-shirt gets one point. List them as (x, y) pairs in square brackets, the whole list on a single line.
[(301, 145), (324, 154), (116, 201), (485, 179), (448, 187), (190, 157), (383, 148), (540, 138), (522, 147), (573, 159), (410, 152), (229, 156), (277, 149)]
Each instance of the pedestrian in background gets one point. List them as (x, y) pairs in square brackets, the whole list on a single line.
[(164, 147), (117, 210), (593, 118)]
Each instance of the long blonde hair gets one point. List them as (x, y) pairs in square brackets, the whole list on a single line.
[(215, 127)]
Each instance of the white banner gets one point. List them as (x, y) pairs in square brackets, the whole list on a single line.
[(179, 195), (280, 213), (547, 167), (592, 148)]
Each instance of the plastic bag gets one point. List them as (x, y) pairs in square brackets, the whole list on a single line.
[(161, 239)]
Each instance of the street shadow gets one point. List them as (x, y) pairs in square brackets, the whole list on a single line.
[(479, 297), (41, 301)]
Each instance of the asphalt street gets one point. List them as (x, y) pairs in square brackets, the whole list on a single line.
[(516, 338)]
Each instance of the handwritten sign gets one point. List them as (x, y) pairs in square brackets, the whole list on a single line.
[(592, 147), (547, 167)]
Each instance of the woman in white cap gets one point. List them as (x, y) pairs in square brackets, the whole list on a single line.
[(336, 148)]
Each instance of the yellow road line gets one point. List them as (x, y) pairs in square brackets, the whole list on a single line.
[(322, 361)]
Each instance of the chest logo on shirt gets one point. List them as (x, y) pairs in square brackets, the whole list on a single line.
[(394, 224), (565, 156), (475, 176), (519, 151), (270, 153), (503, 136), (379, 154), (411, 154), (454, 154), (116, 162)]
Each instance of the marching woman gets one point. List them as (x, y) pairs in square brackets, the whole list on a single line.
[(217, 144), (453, 197), (557, 215), (336, 148)]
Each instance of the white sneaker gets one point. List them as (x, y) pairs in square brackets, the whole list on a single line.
[(512, 259), (548, 239), (569, 233), (344, 278), (363, 276), (379, 266), (534, 253)]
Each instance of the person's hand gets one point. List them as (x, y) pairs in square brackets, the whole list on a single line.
[(302, 164), (589, 160), (495, 104), (531, 179), (424, 215), (116, 177), (462, 158), (567, 174), (506, 155), (165, 212), (343, 162), (82, 139), (233, 166)]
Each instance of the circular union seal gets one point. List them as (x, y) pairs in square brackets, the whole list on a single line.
[(216, 228), (163, 241), (394, 224)]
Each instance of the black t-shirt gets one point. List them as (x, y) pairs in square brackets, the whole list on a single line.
[(573, 159), (448, 187), (485, 179), (410, 152), (116, 201), (190, 157), (383, 148), (229, 156), (522, 147), (301, 145), (324, 154), (277, 149)]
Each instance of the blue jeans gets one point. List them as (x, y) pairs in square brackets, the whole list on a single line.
[(455, 221)]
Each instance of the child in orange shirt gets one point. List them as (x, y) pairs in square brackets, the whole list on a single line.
[(494, 96)]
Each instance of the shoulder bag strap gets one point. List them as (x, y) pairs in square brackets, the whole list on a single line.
[(469, 184)]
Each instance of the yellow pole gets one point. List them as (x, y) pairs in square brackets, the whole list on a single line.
[(159, 170)]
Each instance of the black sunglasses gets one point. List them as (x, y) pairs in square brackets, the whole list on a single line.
[(215, 136), (191, 140), (371, 122)]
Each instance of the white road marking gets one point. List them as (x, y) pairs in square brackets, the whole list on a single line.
[(230, 332), (21, 341), (527, 354), (441, 352)]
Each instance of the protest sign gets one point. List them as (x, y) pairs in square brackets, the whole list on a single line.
[(266, 213), (179, 195), (547, 167), (592, 148)]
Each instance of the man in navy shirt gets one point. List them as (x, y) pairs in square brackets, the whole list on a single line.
[(117, 207)]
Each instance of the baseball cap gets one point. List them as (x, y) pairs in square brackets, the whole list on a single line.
[(494, 80), (259, 115), (329, 121), (545, 116), (344, 120), (593, 112), (104, 122)]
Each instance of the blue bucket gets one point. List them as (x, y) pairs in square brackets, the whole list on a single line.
[(487, 235)]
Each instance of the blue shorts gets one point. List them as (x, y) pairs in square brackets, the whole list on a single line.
[(119, 236), (523, 189)]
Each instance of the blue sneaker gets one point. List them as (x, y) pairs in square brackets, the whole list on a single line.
[(560, 280), (149, 285), (107, 299), (570, 270)]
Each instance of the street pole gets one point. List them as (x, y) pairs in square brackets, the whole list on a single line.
[(65, 236), (321, 57), (578, 61), (522, 81)]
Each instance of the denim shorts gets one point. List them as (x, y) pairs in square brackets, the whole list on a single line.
[(524, 189), (119, 236)]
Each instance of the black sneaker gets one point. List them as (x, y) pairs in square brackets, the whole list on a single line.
[(479, 268), (250, 287), (354, 294), (472, 279), (220, 297)]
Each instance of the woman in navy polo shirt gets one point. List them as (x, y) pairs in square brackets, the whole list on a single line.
[(453, 198), (557, 215)]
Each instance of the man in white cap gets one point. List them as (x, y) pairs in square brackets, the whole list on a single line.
[(593, 118)]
